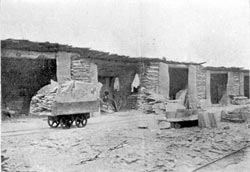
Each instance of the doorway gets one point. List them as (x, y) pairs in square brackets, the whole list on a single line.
[(178, 78), (218, 87), (246, 86)]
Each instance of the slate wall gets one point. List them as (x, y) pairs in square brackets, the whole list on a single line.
[(150, 76)]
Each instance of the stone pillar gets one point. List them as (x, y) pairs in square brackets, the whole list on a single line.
[(192, 88), (164, 79), (208, 87), (230, 83), (63, 63), (241, 83)]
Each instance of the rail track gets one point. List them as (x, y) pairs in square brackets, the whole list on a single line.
[(48, 129), (220, 159)]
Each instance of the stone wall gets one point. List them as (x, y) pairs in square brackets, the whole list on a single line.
[(151, 80), (150, 76), (201, 82), (83, 70), (108, 70)]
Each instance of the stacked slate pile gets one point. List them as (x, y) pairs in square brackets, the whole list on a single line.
[(150, 102), (151, 77), (41, 103), (239, 100), (107, 107), (132, 101), (207, 120), (80, 70), (239, 115), (4, 161), (225, 99)]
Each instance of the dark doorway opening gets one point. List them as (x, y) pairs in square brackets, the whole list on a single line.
[(246, 86), (108, 85), (218, 87), (178, 78), (22, 78)]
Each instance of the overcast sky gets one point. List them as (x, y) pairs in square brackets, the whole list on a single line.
[(212, 31)]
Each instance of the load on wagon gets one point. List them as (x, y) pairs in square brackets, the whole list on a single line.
[(76, 94)]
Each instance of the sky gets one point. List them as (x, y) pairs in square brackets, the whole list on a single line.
[(211, 31)]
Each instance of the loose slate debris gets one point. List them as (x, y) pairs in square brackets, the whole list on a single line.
[(231, 117), (239, 100), (91, 159), (203, 145), (231, 153), (164, 124), (151, 102), (44, 99), (118, 146), (239, 115), (207, 120), (98, 155), (143, 127), (7, 113), (4, 161)]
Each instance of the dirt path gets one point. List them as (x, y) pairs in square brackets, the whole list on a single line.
[(115, 143)]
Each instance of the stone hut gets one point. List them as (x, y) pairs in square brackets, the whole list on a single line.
[(27, 66), (232, 81)]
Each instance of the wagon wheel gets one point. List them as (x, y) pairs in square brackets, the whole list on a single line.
[(81, 121), (66, 122), (53, 121)]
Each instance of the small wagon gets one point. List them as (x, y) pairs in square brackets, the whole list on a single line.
[(181, 116), (65, 115), (67, 120), (73, 104), (78, 91)]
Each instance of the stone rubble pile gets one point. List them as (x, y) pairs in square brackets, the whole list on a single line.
[(42, 102), (150, 102), (132, 101), (238, 115), (4, 161), (239, 100)]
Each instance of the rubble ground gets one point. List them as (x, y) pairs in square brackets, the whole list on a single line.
[(122, 141)]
